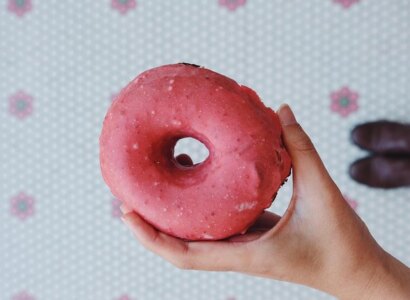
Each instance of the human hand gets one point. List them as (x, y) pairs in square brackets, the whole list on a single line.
[(319, 241)]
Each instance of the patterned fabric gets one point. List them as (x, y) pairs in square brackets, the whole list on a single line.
[(336, 62)]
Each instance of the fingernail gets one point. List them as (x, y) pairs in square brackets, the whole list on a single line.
[(126, 223), (125, 220), (124, 209), (286, 115)]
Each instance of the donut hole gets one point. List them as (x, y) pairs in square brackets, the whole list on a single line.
[(189, 151)]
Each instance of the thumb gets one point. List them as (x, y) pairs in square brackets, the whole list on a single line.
[(308, 168)]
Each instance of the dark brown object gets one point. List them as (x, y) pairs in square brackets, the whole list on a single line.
[(383, 137), (184, 160), (382, 171), (188, 64)]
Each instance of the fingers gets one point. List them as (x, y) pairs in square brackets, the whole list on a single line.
[(222, 255), (125, 209), (198, 255), (248, 237), (307, 166), (160, 243)]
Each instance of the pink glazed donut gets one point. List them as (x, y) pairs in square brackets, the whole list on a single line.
[(217, 198)]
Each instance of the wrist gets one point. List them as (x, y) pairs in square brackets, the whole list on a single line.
[(382, 277), (393, 280)]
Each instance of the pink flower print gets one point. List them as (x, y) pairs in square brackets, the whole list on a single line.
[(115, 208), (21, 105), (113, 97), (23, 296), (123, 6), (19, 7), (352, 203), (346, 3), (124, 297), (344, 101), (232, 4), (22, 206)]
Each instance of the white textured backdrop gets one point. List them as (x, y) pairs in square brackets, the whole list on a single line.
[(62, 61)]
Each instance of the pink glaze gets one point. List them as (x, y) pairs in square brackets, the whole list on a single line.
[(215, 199)]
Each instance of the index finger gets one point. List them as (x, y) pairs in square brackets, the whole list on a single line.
[(199, 255)]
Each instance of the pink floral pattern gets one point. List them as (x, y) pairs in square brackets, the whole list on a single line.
[(352, 203), (19, 7), (21, 104), (113, 97), (344, 101), (23, 296), (346, 3), (123, 6), (232, 4), (22, 206), (115, 208)]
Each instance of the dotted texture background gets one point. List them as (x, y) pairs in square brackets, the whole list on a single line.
[(62, 61)]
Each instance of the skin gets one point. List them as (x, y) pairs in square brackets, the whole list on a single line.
[(319, 242)]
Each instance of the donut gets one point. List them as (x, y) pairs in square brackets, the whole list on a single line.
[(215, 199)]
